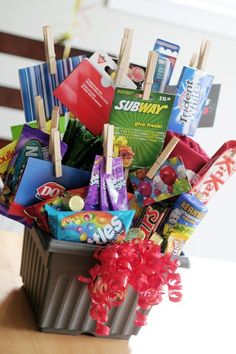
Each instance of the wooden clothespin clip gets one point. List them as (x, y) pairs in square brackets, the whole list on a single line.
[(108, 136), (55, 117), (194, 60), (54, 127), (162, 157), (203, 55), (124, 56), (151, 65), (51, 141), (49, 49), (56, 155), (40, 113)]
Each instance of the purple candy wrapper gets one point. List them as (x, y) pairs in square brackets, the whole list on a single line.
[(92, 200), (104, 202), (116, 186), (32, 143)]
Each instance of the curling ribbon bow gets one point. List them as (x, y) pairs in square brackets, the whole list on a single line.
[(138, 263)]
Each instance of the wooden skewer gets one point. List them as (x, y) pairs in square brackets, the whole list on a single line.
[(40, 113), (162, 157), (151, 65), (49, 49)]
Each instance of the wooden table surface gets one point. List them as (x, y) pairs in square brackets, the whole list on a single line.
[(204, 321)]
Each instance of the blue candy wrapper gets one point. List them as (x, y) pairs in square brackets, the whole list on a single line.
[(94, 227)]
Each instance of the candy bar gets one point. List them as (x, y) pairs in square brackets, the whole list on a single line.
[(151, 218), (215, 172)]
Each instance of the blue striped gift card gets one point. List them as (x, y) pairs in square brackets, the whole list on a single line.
[(37, 81)]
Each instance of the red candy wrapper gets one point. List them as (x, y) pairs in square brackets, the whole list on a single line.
[(216, 172), (139, 264)]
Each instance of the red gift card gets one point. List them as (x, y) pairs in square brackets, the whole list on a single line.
[(83, 93), (89, 90)]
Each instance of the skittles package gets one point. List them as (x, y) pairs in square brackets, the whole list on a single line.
[(94, 227)]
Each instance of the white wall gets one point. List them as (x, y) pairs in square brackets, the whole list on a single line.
[(103, 28)]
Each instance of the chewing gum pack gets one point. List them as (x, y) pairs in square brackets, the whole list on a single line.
[(191, 93)]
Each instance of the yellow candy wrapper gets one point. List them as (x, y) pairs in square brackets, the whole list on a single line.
[(175, 243), (6, 154)]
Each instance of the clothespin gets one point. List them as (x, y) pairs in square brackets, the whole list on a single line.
[(56, 154), (54, 127), (55, 117), (194, 60), (40, 113), (203, 55), (162, 157), (51, 141), (151, 65), (108, 136), (49, 49), (124, 56)]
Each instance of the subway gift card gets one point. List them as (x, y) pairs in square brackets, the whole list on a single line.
[(140, 126)]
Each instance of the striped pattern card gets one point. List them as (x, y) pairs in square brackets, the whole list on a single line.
[(37, 81)]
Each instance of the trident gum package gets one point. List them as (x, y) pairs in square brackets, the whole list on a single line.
[(191, 93)]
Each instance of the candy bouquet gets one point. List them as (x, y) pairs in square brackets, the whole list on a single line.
[(113, 163)]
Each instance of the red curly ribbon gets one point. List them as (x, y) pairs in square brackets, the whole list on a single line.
[(138, 263)]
